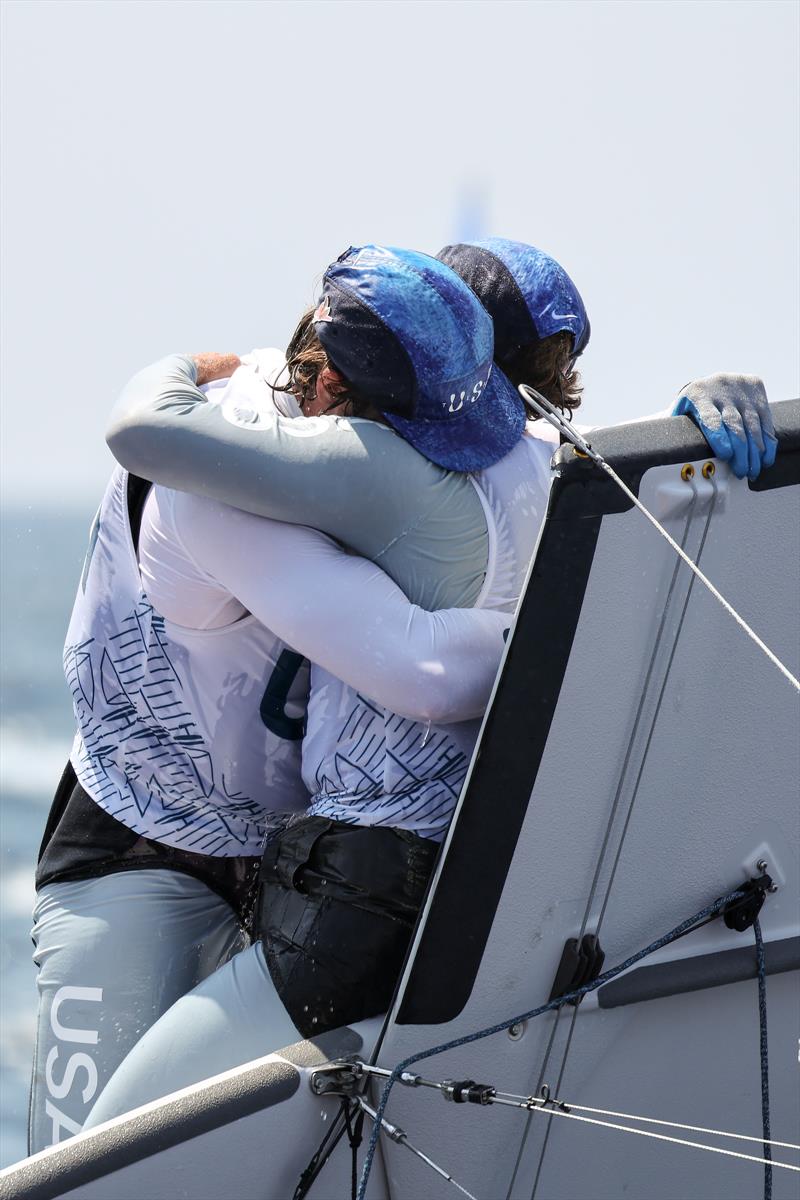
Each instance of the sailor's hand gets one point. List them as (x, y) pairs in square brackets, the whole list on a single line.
[(733, 416), (214, 365)]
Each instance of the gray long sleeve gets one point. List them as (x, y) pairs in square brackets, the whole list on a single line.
[(355, 480)]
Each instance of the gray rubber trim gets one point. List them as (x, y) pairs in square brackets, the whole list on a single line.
[(635, 448), (336, 1043), (695, 974), (207, 1107)]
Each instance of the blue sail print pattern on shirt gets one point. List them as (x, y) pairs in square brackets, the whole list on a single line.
[(135, 711), (384, 769), (171, 740)]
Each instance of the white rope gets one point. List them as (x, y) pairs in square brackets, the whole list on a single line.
[(400, 1137), (661, 1137), (609, 1112), (557, 419), (412, 1080)]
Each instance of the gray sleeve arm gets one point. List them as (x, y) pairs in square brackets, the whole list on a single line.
[(355, 480), (324, 473)]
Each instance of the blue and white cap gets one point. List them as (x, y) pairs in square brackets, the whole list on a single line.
[(410, 336), (528, 295)]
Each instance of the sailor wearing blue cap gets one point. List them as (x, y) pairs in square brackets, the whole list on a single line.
[(528, 295), (403, 330), (535, 304)]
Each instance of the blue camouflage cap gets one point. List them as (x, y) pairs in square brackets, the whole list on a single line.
[(411, 337), (528, 295)]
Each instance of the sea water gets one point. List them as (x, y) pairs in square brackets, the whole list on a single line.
[(40, 560)]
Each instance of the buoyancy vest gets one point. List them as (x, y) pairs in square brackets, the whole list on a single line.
[(189, 737)]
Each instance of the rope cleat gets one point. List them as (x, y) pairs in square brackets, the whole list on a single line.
[(741, 913)]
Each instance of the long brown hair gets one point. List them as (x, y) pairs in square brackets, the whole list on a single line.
[(549, 367), (305, 362)]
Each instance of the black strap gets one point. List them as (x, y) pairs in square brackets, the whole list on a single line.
[(355, 1130), (331, 1140), (137, 492), (64, 790)]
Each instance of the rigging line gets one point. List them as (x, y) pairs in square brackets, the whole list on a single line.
[(716, 906), (559, 1081), (614, 807), (354, 1138), (659, 702), (398, 1135), (527, 1127), (320, 1157), (764, 1055), (411, 1080), (610, 1112), (632, 739), (564, 426), (662, 1137), (546, 1138)]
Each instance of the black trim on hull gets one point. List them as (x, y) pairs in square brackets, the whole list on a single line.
[(587, 489)]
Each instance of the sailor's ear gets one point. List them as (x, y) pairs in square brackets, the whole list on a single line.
[(331, 390), (332, 380)]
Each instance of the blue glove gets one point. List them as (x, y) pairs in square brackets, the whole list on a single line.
[(732, 413)]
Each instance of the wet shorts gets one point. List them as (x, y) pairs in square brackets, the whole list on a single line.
[(336, 908)]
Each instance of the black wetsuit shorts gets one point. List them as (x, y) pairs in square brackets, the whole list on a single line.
[(336, 909)]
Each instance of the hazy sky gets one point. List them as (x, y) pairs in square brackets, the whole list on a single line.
[(177, 175)]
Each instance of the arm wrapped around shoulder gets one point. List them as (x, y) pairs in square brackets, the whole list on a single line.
[(141, 421)]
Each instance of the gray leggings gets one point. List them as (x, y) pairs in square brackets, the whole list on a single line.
[(113, 953), (231, 1018)]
